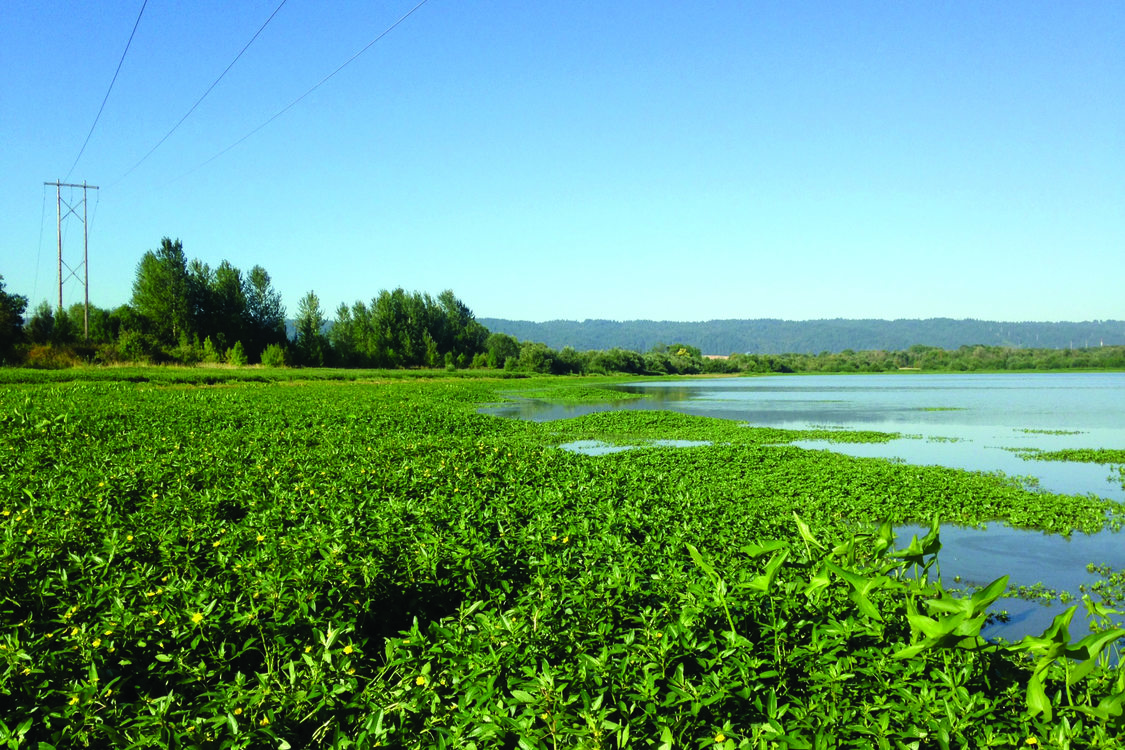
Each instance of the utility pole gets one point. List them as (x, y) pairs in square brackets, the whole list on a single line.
[(73, 209)]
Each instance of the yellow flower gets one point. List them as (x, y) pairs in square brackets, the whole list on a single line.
[(261, 538), (73, 699), (129, 538), (308, 649), (238, 712), (566, 539), (720, 737), (348, 649), (264, 722), (1031, 741), (421, 680), (97, 642), (197, 618), (217, 542)]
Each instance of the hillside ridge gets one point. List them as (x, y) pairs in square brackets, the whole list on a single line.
[(776, 336)]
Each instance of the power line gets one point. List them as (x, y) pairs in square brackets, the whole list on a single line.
[(205, 93), (320, 83), (106, 97)]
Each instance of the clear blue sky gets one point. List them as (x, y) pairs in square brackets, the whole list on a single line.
[(580, 159)]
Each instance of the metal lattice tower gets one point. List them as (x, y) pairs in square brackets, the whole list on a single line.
[(83, 267)]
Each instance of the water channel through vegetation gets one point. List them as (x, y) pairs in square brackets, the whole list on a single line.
[(992, 423)]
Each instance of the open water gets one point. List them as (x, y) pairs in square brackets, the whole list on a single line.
[(968, 421)]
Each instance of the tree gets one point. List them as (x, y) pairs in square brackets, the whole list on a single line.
[(201, 303), (12, 307), (387, 326), (265, 314), (501, 347), (161, 291), (536, 357), (65, 331), (465, 335), (41, 327), (343, 337), (311, 343), (432, 354), (228, 303), (99, 330)]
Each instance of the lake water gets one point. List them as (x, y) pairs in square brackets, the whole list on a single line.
[(966, 421)]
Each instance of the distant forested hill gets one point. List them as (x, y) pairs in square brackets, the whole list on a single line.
[(767, 336)]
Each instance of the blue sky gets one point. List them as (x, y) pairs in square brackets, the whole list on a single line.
[(627, 160)]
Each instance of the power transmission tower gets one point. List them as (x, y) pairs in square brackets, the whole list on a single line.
[(84, 267)]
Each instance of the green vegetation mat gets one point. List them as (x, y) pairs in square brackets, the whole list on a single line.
[(1087, 455), (302, 563)]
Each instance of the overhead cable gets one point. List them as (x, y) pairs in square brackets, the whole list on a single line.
[(320, 83), (106, 97), (205, 93)]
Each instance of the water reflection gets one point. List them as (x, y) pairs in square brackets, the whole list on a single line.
[(978, 556), (962, 421)]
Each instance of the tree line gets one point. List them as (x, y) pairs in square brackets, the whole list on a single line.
[(683, 359), (183, 311)]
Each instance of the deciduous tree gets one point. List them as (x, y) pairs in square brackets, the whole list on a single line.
[(265, 314), (12, 307), (160, 291), (311, 343)]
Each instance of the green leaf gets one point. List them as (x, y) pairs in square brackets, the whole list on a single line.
[(764, 548), (1037, 701), (986, 596), (806, 533), (699, 561)]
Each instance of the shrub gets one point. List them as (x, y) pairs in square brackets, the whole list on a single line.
[(188, 352), (274, 356), (133, 346), (49, 357), (236, 355), (210, 354)]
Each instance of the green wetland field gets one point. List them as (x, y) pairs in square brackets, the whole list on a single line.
[(230, 560)]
